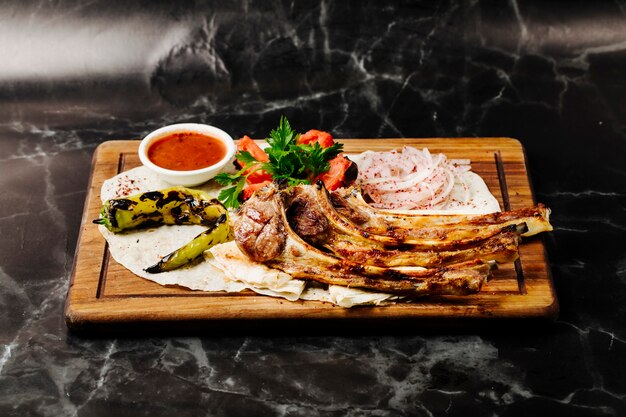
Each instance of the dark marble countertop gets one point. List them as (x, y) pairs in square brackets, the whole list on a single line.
[(74, 74)]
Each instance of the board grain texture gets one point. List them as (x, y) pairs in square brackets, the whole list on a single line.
[(103, 293)]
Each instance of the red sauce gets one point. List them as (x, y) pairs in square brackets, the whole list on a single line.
[(186, 151)]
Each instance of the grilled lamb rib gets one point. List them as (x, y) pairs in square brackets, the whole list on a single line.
[(263, 232), (313, 217), (404, 224)]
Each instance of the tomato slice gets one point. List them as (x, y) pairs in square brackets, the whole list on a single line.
[(325, 139), (335, 177), (251, 188), (247, 144), (259, 176)]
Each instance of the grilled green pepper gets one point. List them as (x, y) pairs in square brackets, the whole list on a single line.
[(176, 205), (217, 233), (173, 206)]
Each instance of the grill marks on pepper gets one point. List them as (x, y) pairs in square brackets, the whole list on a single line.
[(119, 204), (151, 195), (181, 213)]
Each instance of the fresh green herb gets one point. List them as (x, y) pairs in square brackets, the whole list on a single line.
[(230, 196), (246, 158), (282, 137), (225, 178), (318, 157), (288, 161)]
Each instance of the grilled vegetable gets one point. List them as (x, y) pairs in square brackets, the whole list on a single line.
[(176, 205), (173, 206), (218, 233)]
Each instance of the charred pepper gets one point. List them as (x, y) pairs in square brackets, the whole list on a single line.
[(176, 205), (217, 233), (173, 206)]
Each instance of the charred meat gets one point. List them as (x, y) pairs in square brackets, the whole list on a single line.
[(339, 239), (275, 243), (407, 225)]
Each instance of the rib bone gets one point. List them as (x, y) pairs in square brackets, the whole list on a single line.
[(403, 224), (348, 241), (262, 231)]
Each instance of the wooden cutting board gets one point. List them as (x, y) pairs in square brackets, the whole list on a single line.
[(102, 293)]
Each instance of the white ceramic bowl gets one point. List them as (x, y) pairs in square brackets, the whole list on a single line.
[(194, 177)]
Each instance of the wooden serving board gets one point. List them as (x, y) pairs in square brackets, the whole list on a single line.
[(104, 293)]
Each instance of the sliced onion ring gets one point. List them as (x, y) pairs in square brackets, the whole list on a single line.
[(410, 179)]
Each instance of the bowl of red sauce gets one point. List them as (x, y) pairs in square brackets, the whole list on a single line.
[(187, 154)]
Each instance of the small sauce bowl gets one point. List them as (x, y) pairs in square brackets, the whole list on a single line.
[(191, 177)]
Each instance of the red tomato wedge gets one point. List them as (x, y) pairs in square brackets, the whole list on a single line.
[(258, 177), (248, 145), (249, 189), (325, 139), (335, 177)]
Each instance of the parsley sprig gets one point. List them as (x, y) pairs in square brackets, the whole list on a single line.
[(288, 161)]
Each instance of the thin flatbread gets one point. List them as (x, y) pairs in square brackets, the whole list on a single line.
[(224, 267)]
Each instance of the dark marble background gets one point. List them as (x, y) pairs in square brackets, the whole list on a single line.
[(553, 74)]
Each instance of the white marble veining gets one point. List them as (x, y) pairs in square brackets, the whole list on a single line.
[(74, 74)]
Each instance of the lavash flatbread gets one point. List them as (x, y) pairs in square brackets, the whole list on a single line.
[(138, 249), (224, 267)]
